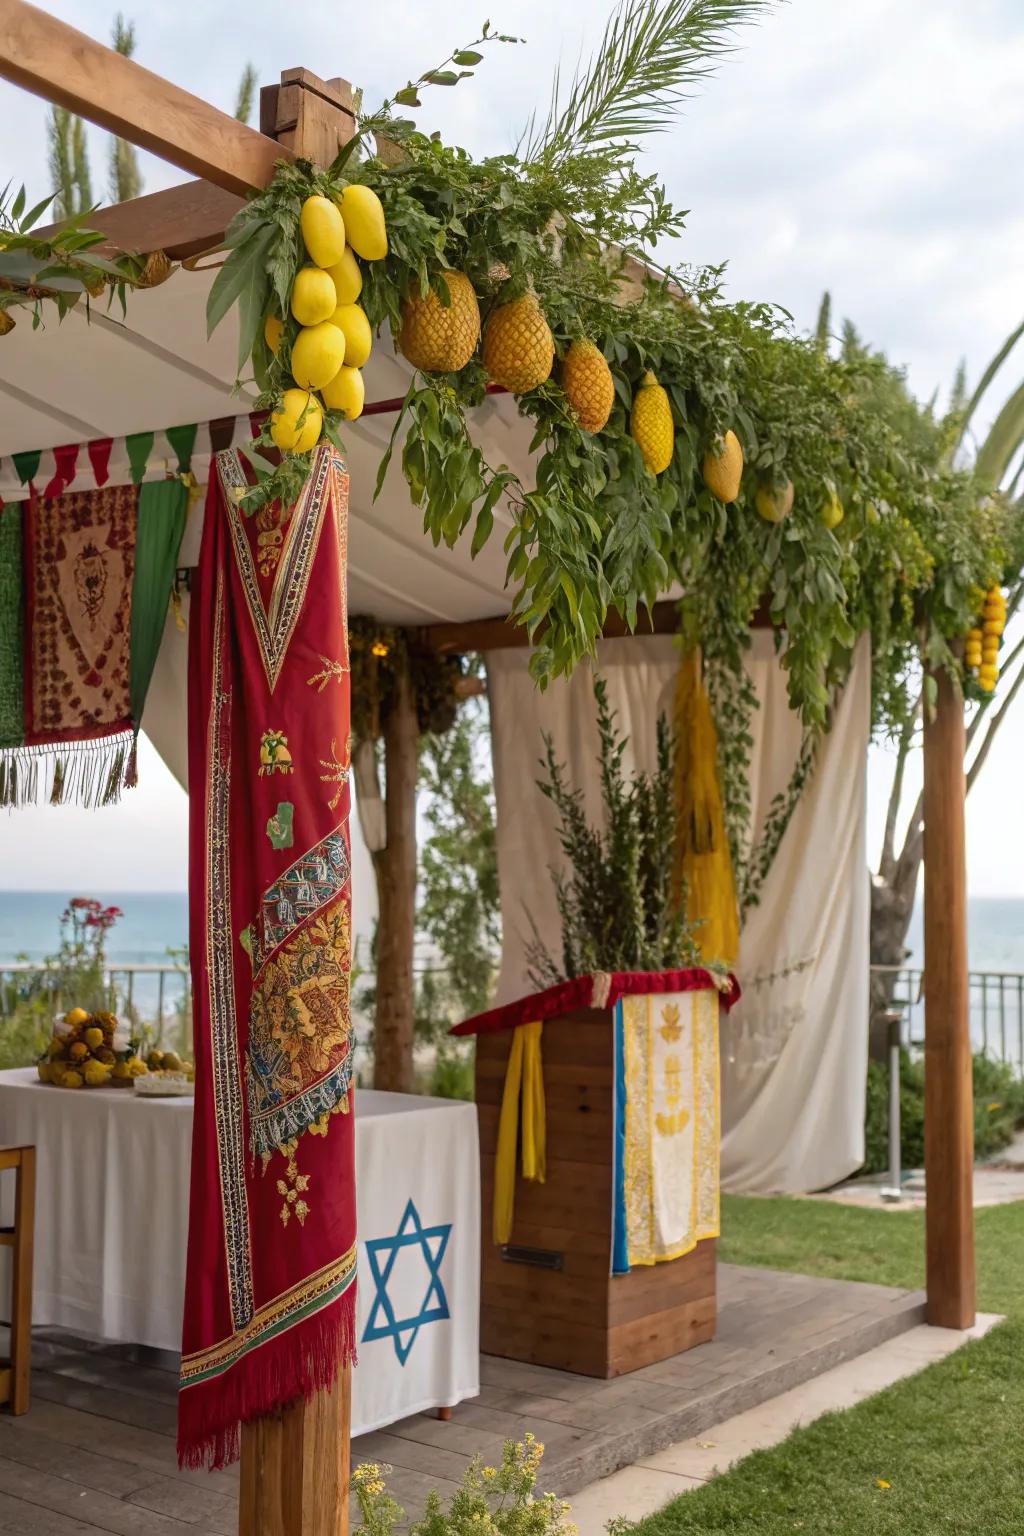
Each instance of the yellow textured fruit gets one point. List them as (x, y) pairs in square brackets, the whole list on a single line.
[(93, 1037), (992, 627), (355, 327), (347, 278), (76, 1016), (974, 636), (832, 511), (437, 337), (273, 329), (364, 222), (346, 393), (296, 425), (314, 296), (723, 471), (323, 230), (96, 1074), (650, 424), (519, 349), (588, 384), (774, 502), (78, 1051), (72, 1080), (317, 354)]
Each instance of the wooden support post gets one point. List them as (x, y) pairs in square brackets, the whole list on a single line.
[(295, 1468), (295, 1464), (395, 867), (949, 1106)]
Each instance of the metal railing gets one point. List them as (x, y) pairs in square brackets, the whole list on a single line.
[(155, 996), (996, 1010)]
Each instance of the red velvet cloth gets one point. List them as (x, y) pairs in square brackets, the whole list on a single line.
[(270, 1288), (589, 992)]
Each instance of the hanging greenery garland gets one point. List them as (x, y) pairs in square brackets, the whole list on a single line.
[(725, 454)]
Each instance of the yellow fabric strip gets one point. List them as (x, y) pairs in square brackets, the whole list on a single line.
[(704, 863), (524, 1088)]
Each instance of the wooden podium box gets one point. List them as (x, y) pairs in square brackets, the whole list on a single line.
[(549, 1297)]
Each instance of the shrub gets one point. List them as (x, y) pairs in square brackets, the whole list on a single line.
[(998, 1110)]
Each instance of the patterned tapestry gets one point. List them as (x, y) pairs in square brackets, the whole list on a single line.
[(270, 1290), (85, 587), (667, 1126)]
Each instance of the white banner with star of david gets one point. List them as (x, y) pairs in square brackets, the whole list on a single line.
[(418, 1184)]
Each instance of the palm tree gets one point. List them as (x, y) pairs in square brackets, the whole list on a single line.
[(125, 179)]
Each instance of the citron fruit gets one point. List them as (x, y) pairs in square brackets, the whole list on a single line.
[(323, 230), (72, 1080), (364, 222), (437, 337), (774, 502), (314, 296), (588, 384), (723, 471), (296, 424), (351, 320), (45, 1070), (345, 393), (93, 1037), (832, 511), (650, 424), (273, 330), (347, 278), (519, 348), (317, 354), (75, 1016)]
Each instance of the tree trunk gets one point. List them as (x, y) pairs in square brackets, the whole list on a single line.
[(395, 868)]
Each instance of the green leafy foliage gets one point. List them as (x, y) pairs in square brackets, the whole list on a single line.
[(60, 269), (615, 896), (998, 1110)]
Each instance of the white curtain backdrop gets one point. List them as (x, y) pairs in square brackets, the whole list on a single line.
[(794, 1052)]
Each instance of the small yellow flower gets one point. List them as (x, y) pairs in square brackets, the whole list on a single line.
[(880, 1482)]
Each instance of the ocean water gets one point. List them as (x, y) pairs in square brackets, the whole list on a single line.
[(995, 934), (153, 922)]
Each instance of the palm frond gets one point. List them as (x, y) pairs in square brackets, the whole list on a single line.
[(985, 380), (246, 97), (654, 55)]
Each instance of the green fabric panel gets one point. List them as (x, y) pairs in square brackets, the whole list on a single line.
[(27, 464), (163, 507), (12, 701), (182, 440), (139, 446)]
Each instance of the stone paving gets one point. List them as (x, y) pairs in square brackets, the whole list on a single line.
[(96, 1452)]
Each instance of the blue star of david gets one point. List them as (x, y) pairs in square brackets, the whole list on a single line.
[(382, 1322)]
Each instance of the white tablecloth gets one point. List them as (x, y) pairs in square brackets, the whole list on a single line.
[(112, 1224)]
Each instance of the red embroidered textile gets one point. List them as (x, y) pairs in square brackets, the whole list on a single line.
[(270, 1287), (602, 990)]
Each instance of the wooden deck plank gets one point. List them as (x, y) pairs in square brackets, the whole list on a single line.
[(102, 1511)]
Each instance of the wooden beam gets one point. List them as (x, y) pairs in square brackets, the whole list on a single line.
[(51, 59), (501, 634), (295, 1467), (949, 1103), (180, 221)]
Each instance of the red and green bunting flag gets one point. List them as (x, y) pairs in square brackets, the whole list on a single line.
[(85, 580)]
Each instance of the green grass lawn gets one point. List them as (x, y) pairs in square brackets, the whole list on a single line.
[(949, 1441)]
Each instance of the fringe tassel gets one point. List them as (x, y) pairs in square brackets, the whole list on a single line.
[(298, 1363), (87, 773)]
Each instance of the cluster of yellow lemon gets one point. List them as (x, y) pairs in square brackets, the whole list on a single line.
[(981, 648), (83, 1056), (335, 339), (652, 428)]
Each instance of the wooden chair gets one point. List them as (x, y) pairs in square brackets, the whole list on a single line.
[(15, 1374)]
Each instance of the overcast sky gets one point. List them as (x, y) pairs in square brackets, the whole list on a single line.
[(871, 149)]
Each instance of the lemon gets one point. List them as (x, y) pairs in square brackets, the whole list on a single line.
[(773, 503), (93, 1037), (364, 222), (289, 433), (345, 393), (832, 511), (317, 354), (137, 1067), (78, 1051), (273, 329), (96, 1074), (347, 278), (121, 1071), (76, 1016), (155, 1060), (45, 1071), (72, 1080), (314, 297), (323, 230), (723, 471), (351, 320), (171, 1062)]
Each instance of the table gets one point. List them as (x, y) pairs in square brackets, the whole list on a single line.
[(112, 1223)]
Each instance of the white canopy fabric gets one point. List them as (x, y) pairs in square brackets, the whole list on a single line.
[(794, 1052), (80, 380)]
